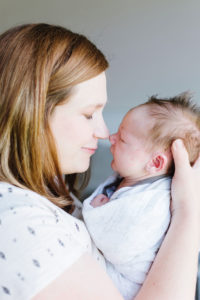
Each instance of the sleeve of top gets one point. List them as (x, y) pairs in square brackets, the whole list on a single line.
[(37, 244)]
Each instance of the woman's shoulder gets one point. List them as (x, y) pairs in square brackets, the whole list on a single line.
[(38, 241), (16, 203), (14, 196)]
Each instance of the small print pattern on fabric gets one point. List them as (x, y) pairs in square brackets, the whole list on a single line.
[(38, 242)]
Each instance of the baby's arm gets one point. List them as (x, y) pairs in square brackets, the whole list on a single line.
[(99, 200)]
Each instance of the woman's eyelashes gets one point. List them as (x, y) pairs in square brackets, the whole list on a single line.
[(89, 117), (93, 115)]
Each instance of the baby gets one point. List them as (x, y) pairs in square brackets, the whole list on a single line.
[(129, 214)]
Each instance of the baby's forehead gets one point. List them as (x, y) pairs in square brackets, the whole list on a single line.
[(137, 121), (139, 110), (158, 120), (138, 115)]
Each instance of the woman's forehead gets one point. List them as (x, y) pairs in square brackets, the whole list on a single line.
[(91, 92)]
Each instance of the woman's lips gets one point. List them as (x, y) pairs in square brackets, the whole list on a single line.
[(89, 150)]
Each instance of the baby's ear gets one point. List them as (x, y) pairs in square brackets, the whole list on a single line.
[(157, 163)]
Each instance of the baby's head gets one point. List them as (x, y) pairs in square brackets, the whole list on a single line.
[(141, 146)]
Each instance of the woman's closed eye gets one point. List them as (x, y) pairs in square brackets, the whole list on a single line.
[(89, 116)]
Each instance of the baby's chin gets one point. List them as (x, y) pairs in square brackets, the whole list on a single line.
[(113, 166), (115, 169)]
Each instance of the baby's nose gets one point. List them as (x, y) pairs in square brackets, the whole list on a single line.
[(112, 138)]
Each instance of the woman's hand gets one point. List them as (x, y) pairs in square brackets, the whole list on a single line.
[(174, 270), (185, 184)]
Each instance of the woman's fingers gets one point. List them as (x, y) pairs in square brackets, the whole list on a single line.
[(197, 164), (185, 188), (180, 156)]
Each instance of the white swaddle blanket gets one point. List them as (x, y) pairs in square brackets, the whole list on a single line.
[(129, 229)]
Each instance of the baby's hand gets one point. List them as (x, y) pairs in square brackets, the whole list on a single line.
[(99, 200)]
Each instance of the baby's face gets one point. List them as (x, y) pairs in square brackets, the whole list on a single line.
[(128, 144)]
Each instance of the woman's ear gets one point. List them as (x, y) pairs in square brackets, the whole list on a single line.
[(157, 163)]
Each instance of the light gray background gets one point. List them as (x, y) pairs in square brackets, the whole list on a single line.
[(153, 47)]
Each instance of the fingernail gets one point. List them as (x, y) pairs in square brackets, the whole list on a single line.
[(178, 143)]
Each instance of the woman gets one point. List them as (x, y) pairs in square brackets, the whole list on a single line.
[(52, 94)]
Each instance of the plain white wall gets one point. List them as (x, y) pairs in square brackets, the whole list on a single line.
[(153, 47)]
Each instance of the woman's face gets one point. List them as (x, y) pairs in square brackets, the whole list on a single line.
[(78, 124)]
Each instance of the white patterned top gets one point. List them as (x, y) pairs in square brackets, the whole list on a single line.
[(38, 241)]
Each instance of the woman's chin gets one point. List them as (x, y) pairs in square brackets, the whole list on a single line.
[(79, 169), (83, 168)]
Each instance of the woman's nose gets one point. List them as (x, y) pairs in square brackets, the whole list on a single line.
[(112, 138), (102, 131)]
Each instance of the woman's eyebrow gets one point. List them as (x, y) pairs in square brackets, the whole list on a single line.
[(95, 106)]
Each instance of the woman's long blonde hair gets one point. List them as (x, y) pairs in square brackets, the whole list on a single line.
[(39, 65)]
